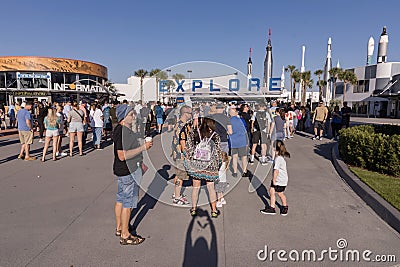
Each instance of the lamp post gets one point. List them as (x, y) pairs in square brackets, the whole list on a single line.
[(190, 82), (169, 86)]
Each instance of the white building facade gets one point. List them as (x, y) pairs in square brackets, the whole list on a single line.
[(377, 92)]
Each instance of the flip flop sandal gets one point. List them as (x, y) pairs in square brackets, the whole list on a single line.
[(118, 232), (131, 240), (193, 212)]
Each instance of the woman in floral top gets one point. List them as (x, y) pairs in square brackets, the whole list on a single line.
[(203, 169)]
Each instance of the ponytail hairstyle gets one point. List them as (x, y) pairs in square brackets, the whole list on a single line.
[(281, 149)]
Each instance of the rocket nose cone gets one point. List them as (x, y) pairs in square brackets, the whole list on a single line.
[(371, 40), (329, 40)]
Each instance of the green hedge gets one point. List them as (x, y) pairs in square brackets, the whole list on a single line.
[(369, 147)]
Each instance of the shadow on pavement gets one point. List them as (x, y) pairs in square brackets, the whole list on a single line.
[(199, 253), (324, 150), (88, 148), (262, 191), (150, 199), (8, 142)]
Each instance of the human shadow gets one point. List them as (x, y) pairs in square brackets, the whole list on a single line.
[(150, 199), (200, 253), (8, 142), (262, 191)]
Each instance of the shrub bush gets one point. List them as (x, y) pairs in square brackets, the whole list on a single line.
[(373, 147)]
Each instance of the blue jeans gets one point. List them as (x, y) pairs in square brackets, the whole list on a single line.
[(97, 135), (128, 189)]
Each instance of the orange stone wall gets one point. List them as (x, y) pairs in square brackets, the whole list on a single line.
[(50, 64)]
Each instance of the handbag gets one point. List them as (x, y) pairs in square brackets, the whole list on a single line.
[(144, 168)]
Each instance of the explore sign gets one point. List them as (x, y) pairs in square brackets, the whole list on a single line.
[(233, 85)]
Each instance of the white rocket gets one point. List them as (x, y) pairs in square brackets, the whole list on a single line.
[(327, 68), (268, 62), (302, 69), (249, 69), (283, 78), (371, 45), (249, 66), (383, 46)]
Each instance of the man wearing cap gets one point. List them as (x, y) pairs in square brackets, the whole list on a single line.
[(319, 119), (127, 167), (223, 126), (25, 130)]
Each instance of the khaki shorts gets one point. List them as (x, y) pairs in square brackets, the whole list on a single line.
[(180, 170), (26, 137)]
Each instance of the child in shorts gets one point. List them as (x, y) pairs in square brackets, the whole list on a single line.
[(220, 184), (279, 180)]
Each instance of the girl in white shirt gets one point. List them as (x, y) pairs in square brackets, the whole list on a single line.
[(279, 180)]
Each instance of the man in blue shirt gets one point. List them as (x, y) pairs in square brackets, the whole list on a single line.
[(25, 131), (159, 116)]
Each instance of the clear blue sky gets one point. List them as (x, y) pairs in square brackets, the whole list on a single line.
[(128, 35)]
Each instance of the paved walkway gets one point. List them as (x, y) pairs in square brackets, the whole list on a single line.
[(61, 214)]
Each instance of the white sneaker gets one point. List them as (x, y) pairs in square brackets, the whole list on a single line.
[(57, 154), (63, 154), (320, 138), (41, 141), (219, 204), (223, 201)]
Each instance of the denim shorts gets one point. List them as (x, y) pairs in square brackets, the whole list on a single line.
[(128, 189), (160, 121)]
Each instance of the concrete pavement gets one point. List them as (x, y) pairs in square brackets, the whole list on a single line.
[(61, 214)]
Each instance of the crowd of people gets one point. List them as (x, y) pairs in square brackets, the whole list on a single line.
[(207, 139)]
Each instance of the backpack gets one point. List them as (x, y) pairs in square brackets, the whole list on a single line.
[(106, 114), (203, 150), (261, 121)]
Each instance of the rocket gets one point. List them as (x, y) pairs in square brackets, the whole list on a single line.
[(249, 66), (383, 46), (268, 62), (249, 69), (327, 68), (370, 53), (303, 69), (283, 78)]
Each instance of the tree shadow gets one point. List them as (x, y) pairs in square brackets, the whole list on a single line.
[(324, 150), (150, 199), (200, 253)]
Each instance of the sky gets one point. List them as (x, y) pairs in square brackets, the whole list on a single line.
[(126, 36)]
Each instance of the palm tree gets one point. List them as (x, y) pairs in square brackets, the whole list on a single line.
[(291, 68), (160, 75), (296, 76), (321, 84), (319, 73), (307, 83), (141, 73), (178, 77), (109, 85), (347, 77), (334, 72)]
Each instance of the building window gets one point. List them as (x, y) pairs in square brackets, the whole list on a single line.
[(11, 80), (57, 77), (40, 80), (83, 79), (2, 80), (70, 78), (26, 80), (362, 86), (370, 72)]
